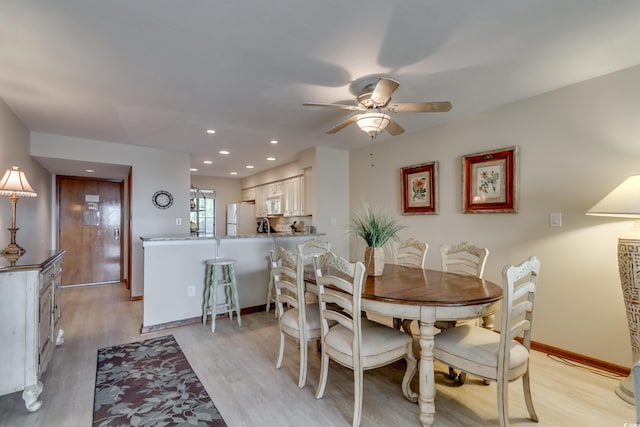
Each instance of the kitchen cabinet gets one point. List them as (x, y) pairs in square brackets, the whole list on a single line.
[(249, 194), (260, 193), (31, 313), (274, 189), (274, 203), (294, 196), (289, 195)]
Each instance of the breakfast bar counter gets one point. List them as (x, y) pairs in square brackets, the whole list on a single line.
[(174, 270)]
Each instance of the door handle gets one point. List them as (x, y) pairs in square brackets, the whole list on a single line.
[(116, 234)]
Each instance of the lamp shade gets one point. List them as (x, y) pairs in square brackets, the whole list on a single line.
[(622, 202), (372, 123), (14, 184)]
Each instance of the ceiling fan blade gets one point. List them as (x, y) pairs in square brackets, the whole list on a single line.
[(343, 125), (382, 92), (337, 106), (394, 128), (420, 107)]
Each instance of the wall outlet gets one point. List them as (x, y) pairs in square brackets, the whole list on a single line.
[(191, 291)]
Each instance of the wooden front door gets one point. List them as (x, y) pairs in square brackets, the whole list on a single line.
[(89, 230)]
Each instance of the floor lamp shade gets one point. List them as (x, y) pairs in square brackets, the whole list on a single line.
[(624, 202), (14, 185)]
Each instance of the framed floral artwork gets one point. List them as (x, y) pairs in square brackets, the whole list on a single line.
[(420, 189), (490, 181)]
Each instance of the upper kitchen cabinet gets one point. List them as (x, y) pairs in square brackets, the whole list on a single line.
[(278, 198), (260, 193), (274, 199), (274, 189), (293, 190), (249, 194)]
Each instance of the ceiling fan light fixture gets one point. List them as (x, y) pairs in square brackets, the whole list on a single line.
[(372, 123)]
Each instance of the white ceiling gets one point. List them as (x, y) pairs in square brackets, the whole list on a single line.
[(158, 73)]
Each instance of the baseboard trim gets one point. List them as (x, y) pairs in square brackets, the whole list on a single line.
[(191, 321), (169, 325), (579, 358)]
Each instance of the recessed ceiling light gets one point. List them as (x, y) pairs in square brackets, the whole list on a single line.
[(207, 162), (249, 166), (271, 158), (233, 173), (223, 152), (273, 141), (193, 170), (89, 170), (211, 131)]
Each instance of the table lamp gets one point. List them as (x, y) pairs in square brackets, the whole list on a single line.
[(14, 185), (624, 202)]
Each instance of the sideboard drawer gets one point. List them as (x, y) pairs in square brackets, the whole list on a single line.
[(50, 274)]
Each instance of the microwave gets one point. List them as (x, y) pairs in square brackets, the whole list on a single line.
[(273, 204)]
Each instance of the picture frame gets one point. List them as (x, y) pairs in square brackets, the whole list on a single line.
[(490, 181), (420, 189)]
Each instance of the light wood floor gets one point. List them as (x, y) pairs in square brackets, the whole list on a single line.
[(237, 367)]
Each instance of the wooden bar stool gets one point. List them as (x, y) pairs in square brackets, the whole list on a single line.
[(220, 272)]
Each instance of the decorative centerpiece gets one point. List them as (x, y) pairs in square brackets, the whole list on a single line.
[(376, 230)]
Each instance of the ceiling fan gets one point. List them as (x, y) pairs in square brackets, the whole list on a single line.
[(373, 103)]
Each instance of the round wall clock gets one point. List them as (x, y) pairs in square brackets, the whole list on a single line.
[(162, 199)]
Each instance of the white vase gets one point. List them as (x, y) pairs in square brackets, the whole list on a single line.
[(374, 261)]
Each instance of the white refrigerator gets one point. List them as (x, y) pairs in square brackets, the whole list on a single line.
[(241, 219)]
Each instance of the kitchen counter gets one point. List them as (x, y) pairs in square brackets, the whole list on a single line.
[(242, 236), (174, 270)]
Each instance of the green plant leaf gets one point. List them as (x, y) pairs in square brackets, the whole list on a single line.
[(375, 229)]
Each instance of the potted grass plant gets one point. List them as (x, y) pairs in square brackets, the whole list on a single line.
[(375, 229)]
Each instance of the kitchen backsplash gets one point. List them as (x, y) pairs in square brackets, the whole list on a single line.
[(283, 224)]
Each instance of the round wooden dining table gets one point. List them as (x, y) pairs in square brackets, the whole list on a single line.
[(426, 296)]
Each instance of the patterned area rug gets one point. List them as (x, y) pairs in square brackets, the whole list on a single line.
[(150, 383)]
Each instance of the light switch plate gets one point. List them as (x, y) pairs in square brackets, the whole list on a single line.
[(555, 219)]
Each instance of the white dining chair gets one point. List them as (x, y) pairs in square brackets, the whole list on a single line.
[(308, 249), (410, 252), (311, 247), (462, 258), (296, 319), (355, 342), (498, 357)]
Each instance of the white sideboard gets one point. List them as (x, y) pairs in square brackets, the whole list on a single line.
[(30, 314)]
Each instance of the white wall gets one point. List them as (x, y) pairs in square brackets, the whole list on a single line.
[(332, 197), (33, 215), (576, 144), (152, 170), (275, 174)]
